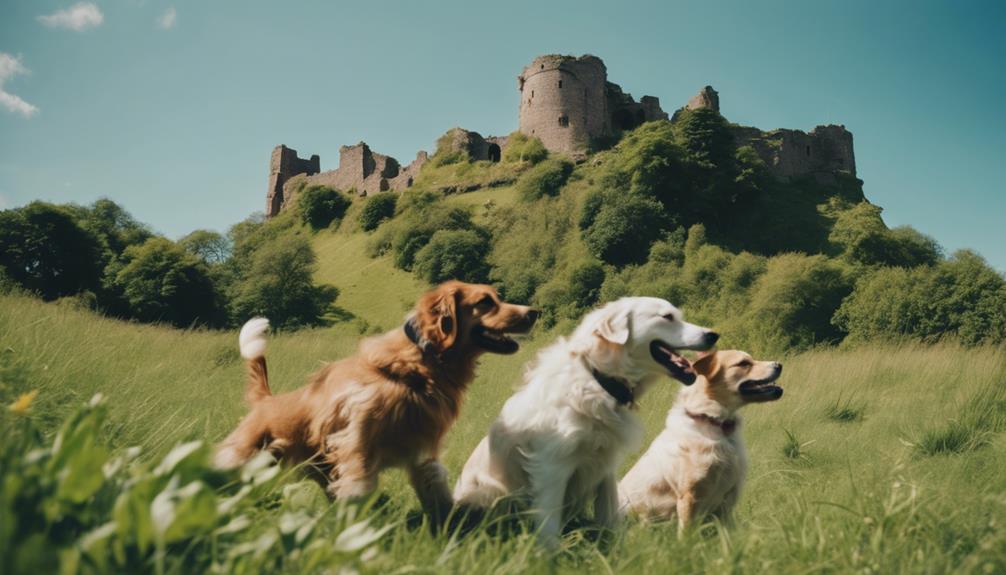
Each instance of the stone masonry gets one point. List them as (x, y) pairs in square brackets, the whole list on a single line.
[(567, 103)]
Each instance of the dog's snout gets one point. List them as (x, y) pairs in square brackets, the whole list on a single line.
[(711, 338), (777, 367)]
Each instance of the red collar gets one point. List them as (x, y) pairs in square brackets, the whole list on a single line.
[(727, 426)]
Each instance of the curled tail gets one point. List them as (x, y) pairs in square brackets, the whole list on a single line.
[(252, 342)]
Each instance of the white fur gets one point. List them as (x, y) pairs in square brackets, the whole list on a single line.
[(559, 439), (252, 339)]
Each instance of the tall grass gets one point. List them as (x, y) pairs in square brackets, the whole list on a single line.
[(869, 499)]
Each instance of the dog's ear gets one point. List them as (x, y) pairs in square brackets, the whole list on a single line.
[(438, 313), (614, 327), (706, 363)]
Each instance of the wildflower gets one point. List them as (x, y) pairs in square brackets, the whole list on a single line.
[(23, 401)]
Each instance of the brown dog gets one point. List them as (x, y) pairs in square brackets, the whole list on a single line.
[(387, 406)]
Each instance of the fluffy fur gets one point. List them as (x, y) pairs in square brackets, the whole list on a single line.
[(559, 439), (696, 466), (387, 406)]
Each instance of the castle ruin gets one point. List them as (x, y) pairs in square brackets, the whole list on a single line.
[(568, 103)]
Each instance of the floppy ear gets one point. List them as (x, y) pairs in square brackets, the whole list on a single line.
[(706, 363), (439, 317), (614, 327)]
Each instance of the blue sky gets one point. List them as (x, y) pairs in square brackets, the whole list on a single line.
[(172, 109)]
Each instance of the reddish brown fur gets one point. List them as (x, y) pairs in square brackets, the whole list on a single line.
[(387, 406)]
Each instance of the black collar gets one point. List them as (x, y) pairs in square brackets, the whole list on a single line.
[(616, 387), (412, 333)]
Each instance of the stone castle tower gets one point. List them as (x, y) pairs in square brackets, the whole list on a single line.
[(567, 102)]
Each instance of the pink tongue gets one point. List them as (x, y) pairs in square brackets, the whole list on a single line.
[(679, 361)]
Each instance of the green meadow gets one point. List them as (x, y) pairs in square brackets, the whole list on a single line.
[(877, 459)]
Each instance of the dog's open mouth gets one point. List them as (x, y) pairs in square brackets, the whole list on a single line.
[(677, 366), (761, 389), (494, 341)]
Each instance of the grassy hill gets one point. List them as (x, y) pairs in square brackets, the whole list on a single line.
[(879, 459)]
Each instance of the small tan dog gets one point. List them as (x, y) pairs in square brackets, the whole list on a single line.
[(387, 406), (696, 466)]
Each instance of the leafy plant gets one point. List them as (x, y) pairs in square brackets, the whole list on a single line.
[(70, 504)]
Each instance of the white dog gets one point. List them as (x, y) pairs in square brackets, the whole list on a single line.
[(696, 466), (559, 440)]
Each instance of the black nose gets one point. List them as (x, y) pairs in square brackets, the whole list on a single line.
[(532, 316), (777, 367), (711, 338)]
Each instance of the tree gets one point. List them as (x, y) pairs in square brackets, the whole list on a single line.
[(279, 284), (160, 281), (207, 245), (113, 224), (45, 250)]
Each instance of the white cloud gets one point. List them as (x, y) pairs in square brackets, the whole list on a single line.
[(79, 17), (167, 20), (10, 67)]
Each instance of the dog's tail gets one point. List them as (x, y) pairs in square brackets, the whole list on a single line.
[(252, 341)]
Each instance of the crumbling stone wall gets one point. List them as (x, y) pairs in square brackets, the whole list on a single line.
[(820, 153), (473, 145), (284, 165)]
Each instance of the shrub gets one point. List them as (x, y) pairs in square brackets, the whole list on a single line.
[(523, 148), (421, 215), (528, 240), (279, 284), (960, 298), (544, 179), (45, 250), (453, 254), (159, 281), (319, 206), (859, 234), (570, 294), (376, 209), (791, 305), (624, 228)]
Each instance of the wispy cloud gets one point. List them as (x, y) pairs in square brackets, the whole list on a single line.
[(167, 20), (10, 67), (79, 17)]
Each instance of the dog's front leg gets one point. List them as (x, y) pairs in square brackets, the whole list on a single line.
[(686, 510), (549, 492), (606, 502), (429, 480)]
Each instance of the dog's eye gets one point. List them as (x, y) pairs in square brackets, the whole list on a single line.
[(486, 303), (669, 317), (744, 363)]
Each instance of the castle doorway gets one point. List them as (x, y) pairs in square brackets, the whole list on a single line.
[(494, 153)]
